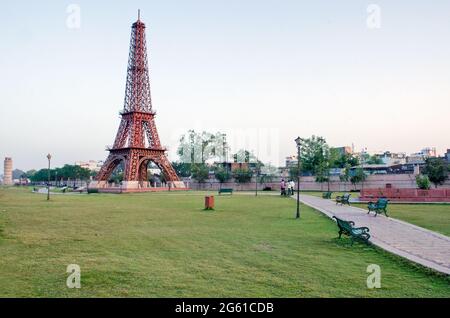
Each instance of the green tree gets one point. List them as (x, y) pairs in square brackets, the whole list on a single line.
[(313, 154), (116, 177), (268, 173), (200, 172), (294, 172), (437, 170), (199, 147), (40, 175), (371, 160), (331, 155), (245, 156), (358, 177), (242, 175), (347, 159), (182, 169), (222, 174), (345, 174), (322, 173), (17, 174), (423, 182), (30, 173)]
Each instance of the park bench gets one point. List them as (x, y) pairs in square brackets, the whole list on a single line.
[(225, 190), (378, 207), (348, 228), (327, 195), (343, 199)]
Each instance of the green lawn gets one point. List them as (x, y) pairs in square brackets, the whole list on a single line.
[(435, 217), (164, 244)]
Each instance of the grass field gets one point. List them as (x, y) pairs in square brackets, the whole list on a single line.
[(165, 245), (435, 217)]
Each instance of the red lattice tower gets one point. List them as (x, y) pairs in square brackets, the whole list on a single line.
[(137, 141)]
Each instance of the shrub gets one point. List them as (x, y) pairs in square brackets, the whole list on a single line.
[(423, 182)]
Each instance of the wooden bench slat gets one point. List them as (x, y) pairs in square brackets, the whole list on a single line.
[(344, 199), (348, 228), (378, 207)]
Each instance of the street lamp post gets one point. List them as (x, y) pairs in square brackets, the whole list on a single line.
[(49, 156), (256, 181), (298, 142)]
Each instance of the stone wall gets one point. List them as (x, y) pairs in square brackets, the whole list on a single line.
[(407, 195), (401, 181)]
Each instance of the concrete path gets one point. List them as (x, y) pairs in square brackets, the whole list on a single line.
[(417, 244)]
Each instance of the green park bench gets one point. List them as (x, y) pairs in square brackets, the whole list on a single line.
[(343, 199), (327, 195), (226, 190), (348, 228), (378, 207), (92, 190)]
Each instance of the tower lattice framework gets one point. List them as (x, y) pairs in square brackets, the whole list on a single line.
[(137, 142)]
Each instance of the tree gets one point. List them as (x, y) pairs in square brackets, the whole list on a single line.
[(331, 156), (242, 175), (182, 169), (30, 173), (294, 172), (358, 177), (371, 160), (222, 174), (200, 147), (322, 174), (313, 153), (17, 174), (345, 175), (344, 160), (423, 182), (437, 170), (67, 172), (245, 156), (200, 172), (268, 172), (116, 177), (40, 175)]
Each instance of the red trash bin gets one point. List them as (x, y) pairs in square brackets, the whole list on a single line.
[(209, 202)]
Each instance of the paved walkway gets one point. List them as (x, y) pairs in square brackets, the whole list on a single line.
[(417, 244)]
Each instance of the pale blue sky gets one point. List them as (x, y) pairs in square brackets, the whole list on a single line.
[(295, 67)]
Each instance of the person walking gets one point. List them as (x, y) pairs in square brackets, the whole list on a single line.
[(289, 188), (292, 184), (283, 187)]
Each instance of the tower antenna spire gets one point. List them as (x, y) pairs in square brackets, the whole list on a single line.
[(139, 14)]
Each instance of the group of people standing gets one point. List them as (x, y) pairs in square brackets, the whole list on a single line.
[(287, 188)]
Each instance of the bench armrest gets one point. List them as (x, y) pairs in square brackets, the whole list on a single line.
[(363, 229)]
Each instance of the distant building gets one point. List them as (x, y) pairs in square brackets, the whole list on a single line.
[(390, 158), (372, 169), (239, 166), (7, 174), (421, 156), (447, 156), (429, 152), (91, 165), (291, 161)]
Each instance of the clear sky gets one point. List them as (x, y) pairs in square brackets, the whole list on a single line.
[(283, 68)]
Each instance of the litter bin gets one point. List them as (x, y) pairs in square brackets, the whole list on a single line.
[(209, 202)]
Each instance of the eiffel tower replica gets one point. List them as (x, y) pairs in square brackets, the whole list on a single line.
[(137, 142)]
